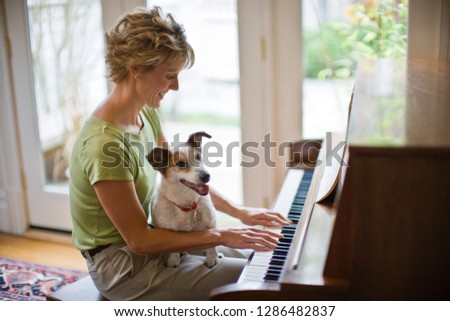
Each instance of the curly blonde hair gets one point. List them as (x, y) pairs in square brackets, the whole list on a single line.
[(146, 38)]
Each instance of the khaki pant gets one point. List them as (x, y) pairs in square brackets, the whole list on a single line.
[(119, 274)]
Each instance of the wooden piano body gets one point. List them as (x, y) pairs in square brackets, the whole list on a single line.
[(384, 233)]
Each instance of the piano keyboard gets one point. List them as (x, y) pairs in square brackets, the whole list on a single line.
[(267, 266)]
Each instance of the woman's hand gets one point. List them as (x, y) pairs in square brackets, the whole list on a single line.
[(249, 238), (248, 215), (261, 216)]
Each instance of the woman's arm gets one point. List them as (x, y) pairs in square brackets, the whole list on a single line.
[(122, 206)]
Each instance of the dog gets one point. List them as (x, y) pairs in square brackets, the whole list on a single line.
[(183, 202)]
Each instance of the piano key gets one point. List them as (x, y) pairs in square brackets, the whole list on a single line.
[(274, 269), (277, 262), (268, 266), (271, 277)]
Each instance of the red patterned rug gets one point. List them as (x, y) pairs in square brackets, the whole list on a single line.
[(25, 281)]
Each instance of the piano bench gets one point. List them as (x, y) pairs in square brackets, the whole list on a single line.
[(81, 290)]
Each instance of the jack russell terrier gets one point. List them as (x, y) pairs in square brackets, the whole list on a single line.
[(183, 202)]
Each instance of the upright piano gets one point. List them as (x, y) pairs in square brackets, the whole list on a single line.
[(371, 219)]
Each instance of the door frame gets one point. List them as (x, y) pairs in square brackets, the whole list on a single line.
[(13, 211), (270, 56)]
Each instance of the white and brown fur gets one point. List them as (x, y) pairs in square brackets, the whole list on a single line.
[(180, 168)]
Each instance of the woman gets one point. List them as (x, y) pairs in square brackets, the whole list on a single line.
[(111, 188)]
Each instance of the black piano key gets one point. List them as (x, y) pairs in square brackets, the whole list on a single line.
[(277, 262), (278, 257), (281, 251), (272, 271), (269, 277), (287, 234), (289, 228)]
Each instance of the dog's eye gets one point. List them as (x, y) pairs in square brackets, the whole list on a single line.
[(181, 164), (198, 157)]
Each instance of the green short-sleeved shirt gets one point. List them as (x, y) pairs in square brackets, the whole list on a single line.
[(102, 152)]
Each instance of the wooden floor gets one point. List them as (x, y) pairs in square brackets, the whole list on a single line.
[(56, 253)]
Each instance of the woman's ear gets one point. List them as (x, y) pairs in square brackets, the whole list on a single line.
[(134, 72)]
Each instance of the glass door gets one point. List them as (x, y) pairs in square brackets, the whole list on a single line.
[(59, 78)]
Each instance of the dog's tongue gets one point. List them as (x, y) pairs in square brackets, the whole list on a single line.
[(203, 189)]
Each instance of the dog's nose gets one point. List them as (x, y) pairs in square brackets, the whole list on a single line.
[(204, 176)]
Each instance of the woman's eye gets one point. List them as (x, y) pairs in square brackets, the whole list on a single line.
[(181, 164), (198, 157)]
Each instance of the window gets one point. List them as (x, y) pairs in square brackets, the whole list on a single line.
[(336, 34), (66, 39)]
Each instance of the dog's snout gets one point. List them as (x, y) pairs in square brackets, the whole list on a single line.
[(204, 176)]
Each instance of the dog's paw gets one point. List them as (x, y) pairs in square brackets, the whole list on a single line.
[(212, 258), (173, 260), (211, 262), (172, 264)]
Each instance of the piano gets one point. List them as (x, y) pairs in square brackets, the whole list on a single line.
[(372, 220)]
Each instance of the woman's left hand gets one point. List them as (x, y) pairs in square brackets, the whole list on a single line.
[(261, 216)]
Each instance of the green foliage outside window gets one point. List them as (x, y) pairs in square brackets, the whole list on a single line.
[(376, 29)]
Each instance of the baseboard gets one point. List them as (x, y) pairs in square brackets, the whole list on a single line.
[(50, 236), (4, 222)]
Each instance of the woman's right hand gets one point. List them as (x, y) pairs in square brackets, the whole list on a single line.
[(249, 238)]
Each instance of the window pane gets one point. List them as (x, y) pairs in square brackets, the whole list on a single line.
[(208, 98), (338, 33), (69, 74)]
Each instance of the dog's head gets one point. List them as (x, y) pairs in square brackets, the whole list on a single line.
[(183, 165)]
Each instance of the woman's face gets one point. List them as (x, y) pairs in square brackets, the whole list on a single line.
[(154, 84)]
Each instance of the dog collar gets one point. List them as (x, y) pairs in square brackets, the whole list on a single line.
[(185, 209)]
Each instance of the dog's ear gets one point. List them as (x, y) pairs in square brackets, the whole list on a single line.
[(195, 140), (159, 158)]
